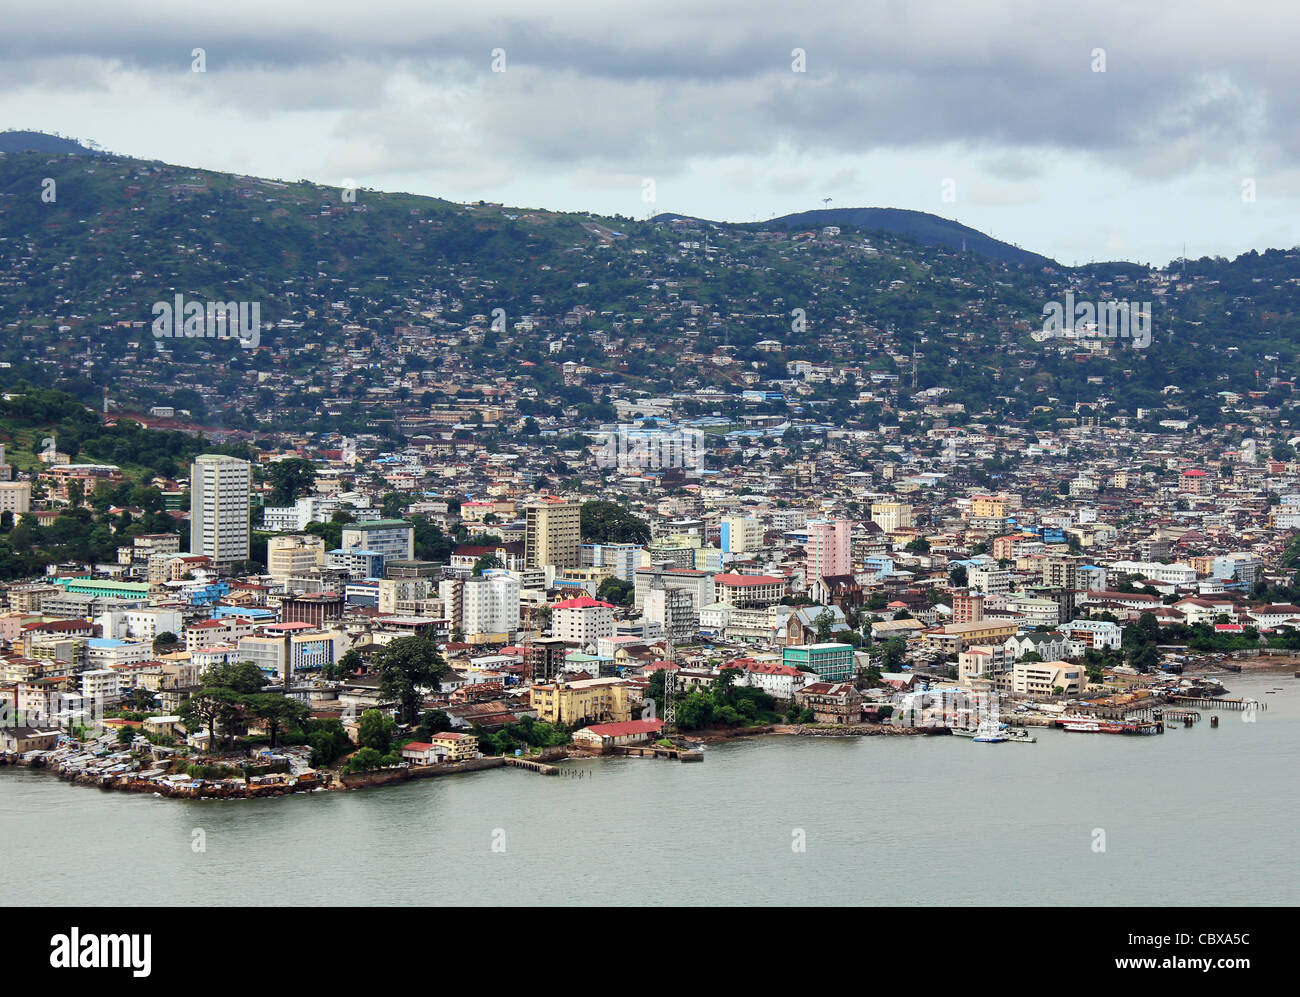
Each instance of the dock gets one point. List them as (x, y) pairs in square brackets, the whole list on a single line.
[(541, 768), (1217, 703), (656, 751)]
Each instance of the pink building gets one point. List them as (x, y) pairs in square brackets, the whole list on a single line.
[(829, 548)]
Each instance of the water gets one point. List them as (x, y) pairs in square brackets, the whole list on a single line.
[(1196, 816)]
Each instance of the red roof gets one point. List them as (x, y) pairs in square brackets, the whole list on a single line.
[(627, 727), (734, 580), (583, 602), (767, 668)]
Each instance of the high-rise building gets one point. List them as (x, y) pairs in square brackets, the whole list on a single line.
[(832, 662), (891, 516), (482, 608), (740, 535), (220, 487), (989, 579), (622, 560), (552, 533), (1061, 572), (829, 548), (583, 620)]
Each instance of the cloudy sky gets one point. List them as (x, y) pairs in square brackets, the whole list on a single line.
[(1120, 131)]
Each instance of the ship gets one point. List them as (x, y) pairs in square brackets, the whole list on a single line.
[(990, 732), (1094, 725)]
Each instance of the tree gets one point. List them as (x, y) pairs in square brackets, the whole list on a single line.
[(406, 667), (328, 740), (894, 655), (241, 677), (166, 642), (210, 707), (615, 590), (277, 712), (486, 563), (822, 625), (291, 478), (349, 664), (364, 760), (608, 522), (376, 731), (433, 722)]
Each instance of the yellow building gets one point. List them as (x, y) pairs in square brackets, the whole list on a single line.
[(552, 533), (583, 702), (454, 747), (988, 507), (958, 637), (293, 555), (891, 516)]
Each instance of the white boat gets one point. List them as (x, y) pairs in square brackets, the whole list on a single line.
[(990, 731)]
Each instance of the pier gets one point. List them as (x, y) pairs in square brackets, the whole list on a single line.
[(1214, 703), (1174, 715), (655, 751), (541, 768)]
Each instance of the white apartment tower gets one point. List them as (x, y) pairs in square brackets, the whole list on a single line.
[(220, 487)]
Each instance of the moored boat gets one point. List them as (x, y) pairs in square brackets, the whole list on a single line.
[(990, 732)]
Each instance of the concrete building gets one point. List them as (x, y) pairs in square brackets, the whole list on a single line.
[(1044, 678), (671, 613), (740, 535), (746, 591), (316, 609), (620, 560), (829, 548), (552, 534), (393, 538), (220, 487), (891, 516), (588, 701), (1061, 572), (698, 583), (582, 621), (15, 497), (831, 662), (293, 555), (989, 579), (483, 609)]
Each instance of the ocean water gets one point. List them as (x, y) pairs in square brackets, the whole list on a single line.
[(1194, 817)]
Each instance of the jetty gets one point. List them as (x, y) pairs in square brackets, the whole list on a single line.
[(1219, 703), (541, 768), (658, 751)]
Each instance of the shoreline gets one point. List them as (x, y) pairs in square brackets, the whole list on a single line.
[(328, 781), (113, 775)]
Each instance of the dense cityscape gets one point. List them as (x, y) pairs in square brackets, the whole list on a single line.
[(662, 456)]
